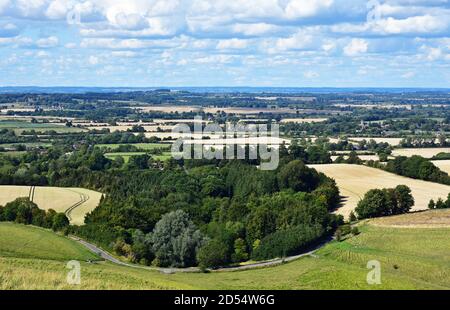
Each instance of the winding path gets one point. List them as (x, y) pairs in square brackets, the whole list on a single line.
[(108, 257)]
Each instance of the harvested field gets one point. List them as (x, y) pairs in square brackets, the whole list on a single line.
[(424, 152), (75, 202), (426, 219), (303, 120), (354, 181), (444, 165)]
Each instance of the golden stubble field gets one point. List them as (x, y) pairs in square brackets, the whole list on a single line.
[(75, 202), (444, 165), (424, 152), (355, 181)]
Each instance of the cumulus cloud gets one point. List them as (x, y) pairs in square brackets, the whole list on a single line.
[(356, 47), (306, 8), (47, 42)]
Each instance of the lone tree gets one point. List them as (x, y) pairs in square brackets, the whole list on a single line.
[(175, 240)]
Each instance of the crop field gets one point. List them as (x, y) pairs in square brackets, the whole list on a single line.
[(390, 141), (408, 261), (75, 202), (362, 157), (427, 219), (303, 120), (444, 165), (424, 152), (354, 181)]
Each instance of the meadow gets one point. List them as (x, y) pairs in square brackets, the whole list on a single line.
[(354, 181), (20, 126), (75, 202), (408, 261)]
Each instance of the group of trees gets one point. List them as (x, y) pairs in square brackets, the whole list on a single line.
[(385, 202), (24, 211), (440, 203), (417, 167), (227, 205)]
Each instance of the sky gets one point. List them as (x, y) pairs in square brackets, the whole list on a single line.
[(273, 43)]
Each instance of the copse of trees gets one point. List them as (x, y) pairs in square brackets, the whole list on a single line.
[(440, 203), (24, 211), (235, 206), (417, 167), (385, 202)]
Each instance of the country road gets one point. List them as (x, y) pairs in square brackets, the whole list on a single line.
[(108, 257)]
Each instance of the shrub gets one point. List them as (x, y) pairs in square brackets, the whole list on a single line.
[(213, 254), (287, 242)]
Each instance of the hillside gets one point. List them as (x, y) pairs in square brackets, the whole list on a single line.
[(408, 261)]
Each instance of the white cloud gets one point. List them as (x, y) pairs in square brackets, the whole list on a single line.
[(356, 47), (93, 60), (299, 41), (417, 24), (232, 44), (311, 75), (306, 8), (47, 42)]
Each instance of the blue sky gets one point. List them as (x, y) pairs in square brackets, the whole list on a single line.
[(295, 43)]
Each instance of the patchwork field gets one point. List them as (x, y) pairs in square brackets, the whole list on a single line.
[(444, 165), (75, 202), (408, 261), (424, 152), (354, 181)]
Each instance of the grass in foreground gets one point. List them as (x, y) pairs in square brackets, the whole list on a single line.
[(410, 259)]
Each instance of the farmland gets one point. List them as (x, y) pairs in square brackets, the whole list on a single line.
[(444, 165), (20, 126), (424, 152), (75, 202), (354, 181), (339, 265)]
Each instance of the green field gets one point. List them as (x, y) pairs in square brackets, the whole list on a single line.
[(410, 259), (20, 126), (142, 146), (126, 156)]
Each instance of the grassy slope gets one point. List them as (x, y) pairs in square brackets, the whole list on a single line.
[(421, 257)]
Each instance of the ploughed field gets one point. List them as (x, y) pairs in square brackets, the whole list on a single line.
[(75, 202), (410, 258), (354, 181)]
